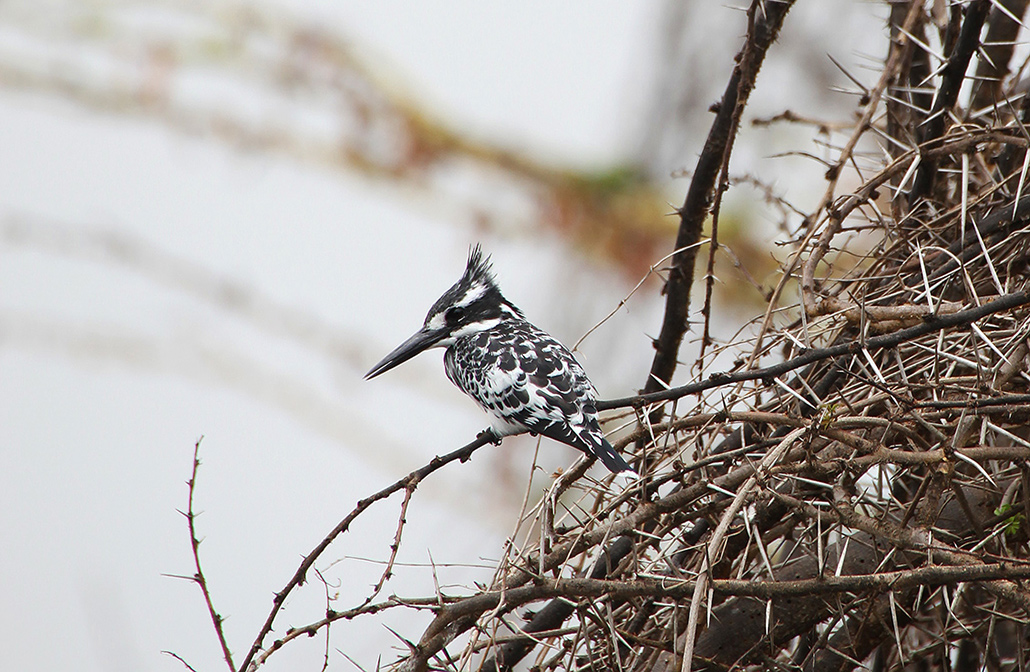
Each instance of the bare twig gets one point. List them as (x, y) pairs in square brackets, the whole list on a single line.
[(180, 659), (951, 82), (409, 489), (968, 316), (408, 484), (764, 22), (198, 578)]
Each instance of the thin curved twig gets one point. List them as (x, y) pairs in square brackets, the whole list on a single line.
[(198, 578), (410, 481)]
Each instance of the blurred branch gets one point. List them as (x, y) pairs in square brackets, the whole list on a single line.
[(998, 47), (283, 72), (121, 249), (764, 22), (947, 93)]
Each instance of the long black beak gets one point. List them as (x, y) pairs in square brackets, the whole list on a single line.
[(422, 340)]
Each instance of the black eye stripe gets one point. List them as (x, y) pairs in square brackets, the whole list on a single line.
[(454, 314)]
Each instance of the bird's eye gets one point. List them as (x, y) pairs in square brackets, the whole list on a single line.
[(454, 314)]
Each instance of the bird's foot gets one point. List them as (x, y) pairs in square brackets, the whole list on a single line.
[(490, 436)]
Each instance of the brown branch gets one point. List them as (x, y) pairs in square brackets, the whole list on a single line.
[(198, 578), (311, 629), (328, 608), (929, 326), (410, 481), (910, 458), (906, 314), (947, 94), (409, 489), (908, 538), (998, 47), (764, 22), (934, 575), (1003, 400)]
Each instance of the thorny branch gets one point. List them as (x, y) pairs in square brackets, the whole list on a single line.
[(947, 92), (408, 484), (198, 577), (764, 22), (928, 326)]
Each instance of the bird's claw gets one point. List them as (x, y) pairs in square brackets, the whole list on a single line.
[(489, 435)]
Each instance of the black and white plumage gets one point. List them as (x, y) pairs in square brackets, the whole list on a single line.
[(525, 379)]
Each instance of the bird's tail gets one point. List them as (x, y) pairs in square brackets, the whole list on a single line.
[(611, 459)]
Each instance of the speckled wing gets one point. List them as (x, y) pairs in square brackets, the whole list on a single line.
[(526, 379)]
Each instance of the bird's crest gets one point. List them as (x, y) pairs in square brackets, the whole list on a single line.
[(477, 285), (478, 269)]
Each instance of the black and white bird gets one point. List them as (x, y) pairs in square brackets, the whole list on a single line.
[(525, 379)]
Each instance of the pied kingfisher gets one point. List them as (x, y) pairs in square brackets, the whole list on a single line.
[(525, 379)]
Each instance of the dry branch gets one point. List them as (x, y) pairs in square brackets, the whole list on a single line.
[(764, 22)]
